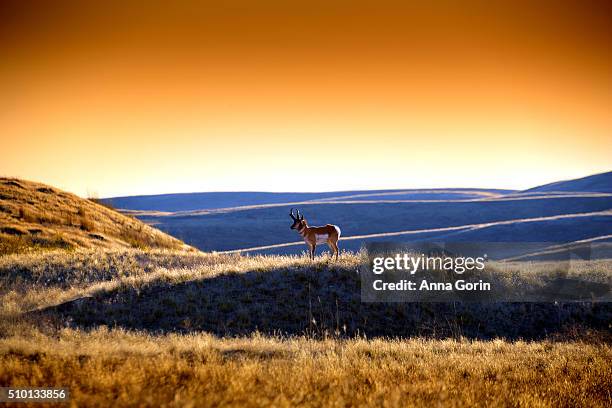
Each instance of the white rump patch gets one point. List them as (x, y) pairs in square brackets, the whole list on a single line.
[(322, 238)]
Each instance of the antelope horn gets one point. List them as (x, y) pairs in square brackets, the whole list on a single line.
[(291, 215), (300, 216)]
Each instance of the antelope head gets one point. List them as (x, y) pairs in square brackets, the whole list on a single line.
[(297, 219)]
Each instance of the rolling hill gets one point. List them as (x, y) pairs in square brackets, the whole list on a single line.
[(562, 212), (600, 183), (34, 215), (189, 202)]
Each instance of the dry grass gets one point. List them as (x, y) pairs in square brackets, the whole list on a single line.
[(143, 334), (34, 216), (236, 295), (113, 367), (41, 279)]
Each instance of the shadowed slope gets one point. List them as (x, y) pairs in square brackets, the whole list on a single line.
[(287, 295)]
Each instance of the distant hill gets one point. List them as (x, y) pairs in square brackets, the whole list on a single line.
[(216, 200), (561, 212), (499, 220), (34, 215), (597, 183)]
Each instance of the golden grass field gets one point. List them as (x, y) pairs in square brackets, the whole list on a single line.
[(182, 357), (116, 368)]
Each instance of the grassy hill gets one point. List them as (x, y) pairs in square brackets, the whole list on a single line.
[(34, 216), (233, 295)]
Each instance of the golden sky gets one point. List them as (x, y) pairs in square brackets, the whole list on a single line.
[(140, 98)]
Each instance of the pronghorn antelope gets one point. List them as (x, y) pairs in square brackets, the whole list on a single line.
[(316, 235)]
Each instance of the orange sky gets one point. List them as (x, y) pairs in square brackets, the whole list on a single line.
[(306, 96)]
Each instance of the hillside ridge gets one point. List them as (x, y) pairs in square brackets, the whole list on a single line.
[(38, 216)]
